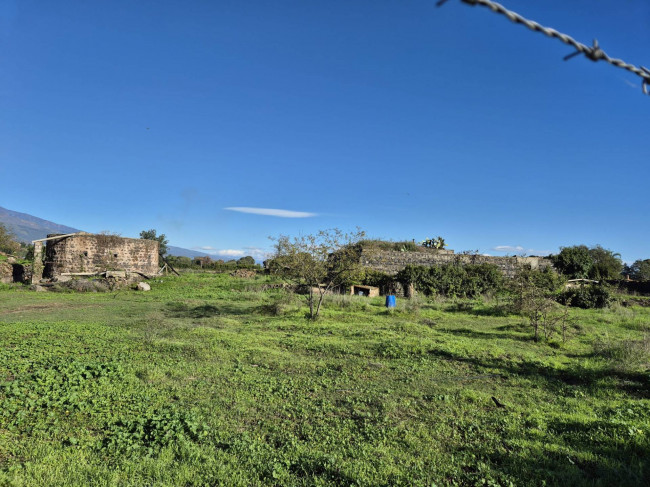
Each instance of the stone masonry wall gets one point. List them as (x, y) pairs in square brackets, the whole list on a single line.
[(391, 261), (86, 252)]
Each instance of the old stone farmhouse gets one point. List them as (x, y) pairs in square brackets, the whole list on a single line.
[(87, 254)]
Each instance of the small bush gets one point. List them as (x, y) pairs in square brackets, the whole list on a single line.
[(148, 434), (347, 302), (587, 297), (627, 354), (279, 305), (411, 306)]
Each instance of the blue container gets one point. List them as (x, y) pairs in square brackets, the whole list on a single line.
[(390, 301)]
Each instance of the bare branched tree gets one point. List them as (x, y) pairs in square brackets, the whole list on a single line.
[(320, 262)]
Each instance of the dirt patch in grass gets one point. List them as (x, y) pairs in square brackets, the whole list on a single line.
[(49, 307)]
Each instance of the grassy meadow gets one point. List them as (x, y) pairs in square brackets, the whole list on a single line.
[(212, 380)]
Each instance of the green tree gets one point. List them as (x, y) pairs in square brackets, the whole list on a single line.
[(161, 239), (574, 262), (247, 261), (319, 262), (606, 264), (7, 243), (640, 270)]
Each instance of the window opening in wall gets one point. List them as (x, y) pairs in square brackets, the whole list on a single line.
[(114, 255), (85, 253)]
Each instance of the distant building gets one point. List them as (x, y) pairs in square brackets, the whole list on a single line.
[(202, 261)]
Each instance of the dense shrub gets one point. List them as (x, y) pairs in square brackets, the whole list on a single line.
[(587, 297), (279, 304), (546, 280), (453, 280), (376, 278)]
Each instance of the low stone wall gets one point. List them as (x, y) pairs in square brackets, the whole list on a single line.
[(88, 253), (10, 271), (6, 273), (391, 262)]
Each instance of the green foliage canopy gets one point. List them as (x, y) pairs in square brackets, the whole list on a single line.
[(640, 270), (574, 262), (7, 243), (161, 239), (318, 261), (606, 264), (246, 261), (581, 262)]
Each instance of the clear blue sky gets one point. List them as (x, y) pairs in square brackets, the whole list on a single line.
[(404, 119)]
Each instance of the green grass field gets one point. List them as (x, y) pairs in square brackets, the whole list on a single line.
[(207, 380)]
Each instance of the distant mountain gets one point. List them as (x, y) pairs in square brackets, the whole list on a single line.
[(27, 228), (178, 251)]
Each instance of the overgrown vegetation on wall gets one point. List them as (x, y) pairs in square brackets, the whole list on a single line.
[(401, 246), (452, 280)]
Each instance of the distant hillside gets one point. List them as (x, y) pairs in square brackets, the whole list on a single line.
[(178, 251), (28, 227)]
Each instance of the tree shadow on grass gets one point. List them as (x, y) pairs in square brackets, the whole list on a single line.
[(636, 384), (611, 465), (484, 334), (472, 308), (183, 310)]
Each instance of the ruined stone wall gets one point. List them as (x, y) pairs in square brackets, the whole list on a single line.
[(391, 261), (86, 253)]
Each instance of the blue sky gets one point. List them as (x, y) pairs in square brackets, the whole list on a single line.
[(406, 120)]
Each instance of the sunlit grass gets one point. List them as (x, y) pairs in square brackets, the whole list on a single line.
[(208, 380)]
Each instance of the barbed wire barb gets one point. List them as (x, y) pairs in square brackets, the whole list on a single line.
[(593, 52)]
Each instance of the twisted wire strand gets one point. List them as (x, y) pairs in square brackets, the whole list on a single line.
[(594, 52)]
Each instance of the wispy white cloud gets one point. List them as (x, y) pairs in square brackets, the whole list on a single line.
[(630, 84), (229, 253), (271, 212), (508, 248), (518, 249)]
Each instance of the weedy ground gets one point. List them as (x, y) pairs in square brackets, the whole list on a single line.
[(211, 380)]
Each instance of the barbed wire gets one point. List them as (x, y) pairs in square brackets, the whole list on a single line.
[(593, 52)]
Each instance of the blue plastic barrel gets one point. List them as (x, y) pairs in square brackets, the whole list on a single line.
[(390, 301)]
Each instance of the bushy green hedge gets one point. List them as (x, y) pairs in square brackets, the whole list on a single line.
[(453, 280), (379, 279), (587, 297), (547, 280)]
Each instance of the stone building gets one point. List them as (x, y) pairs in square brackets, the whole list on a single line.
[(87, 254)]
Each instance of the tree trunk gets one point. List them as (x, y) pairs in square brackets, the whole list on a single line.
[(311, 302), (320, 301)]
